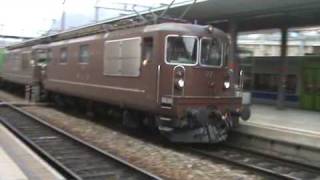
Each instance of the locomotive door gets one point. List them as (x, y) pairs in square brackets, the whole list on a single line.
[(38, 58), (164, 84), (171, 82), (149, 70)]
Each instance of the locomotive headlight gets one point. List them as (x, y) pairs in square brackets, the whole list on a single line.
[(226, 84), (178, 81), (210, 28), (181, 83), (32, 62)]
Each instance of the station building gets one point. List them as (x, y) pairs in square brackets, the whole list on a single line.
[(281, 70), (282, 64)]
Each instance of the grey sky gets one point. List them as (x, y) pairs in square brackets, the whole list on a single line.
[(34, 17)]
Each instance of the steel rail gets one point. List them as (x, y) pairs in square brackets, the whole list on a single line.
[(71, 156), (300, 151), (270, 166)]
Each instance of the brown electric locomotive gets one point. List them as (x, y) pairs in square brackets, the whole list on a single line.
[(174, 74)]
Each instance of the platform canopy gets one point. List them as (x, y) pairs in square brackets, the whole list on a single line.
[(254, 14)]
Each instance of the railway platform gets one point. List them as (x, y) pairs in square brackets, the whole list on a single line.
[(291, 134), (18, 162), (289, 125)]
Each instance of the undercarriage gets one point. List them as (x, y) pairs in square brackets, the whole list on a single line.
[(202, 125)]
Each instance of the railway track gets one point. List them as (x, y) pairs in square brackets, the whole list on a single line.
[(71, 156), (270, 166), (69, 160)]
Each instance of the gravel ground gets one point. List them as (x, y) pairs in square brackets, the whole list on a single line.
[(5, 96), (162, 161)]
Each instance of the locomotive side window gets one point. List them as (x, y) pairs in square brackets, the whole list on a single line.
[(84, 54), (41, 56), (49, 55), (147, 50), (17, 63), (181, 50), (211, 52), (63, 55), (112, 61), (131, 57), (122, 57)]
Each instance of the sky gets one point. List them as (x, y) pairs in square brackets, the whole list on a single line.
[(32, 18)]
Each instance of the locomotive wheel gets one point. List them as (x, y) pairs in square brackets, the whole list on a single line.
[(245, 113), (235, 121), (89, 109), (131, 119), (58, 100)]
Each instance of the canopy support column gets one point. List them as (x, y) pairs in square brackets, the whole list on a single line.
[(233, 61), (283, 69)]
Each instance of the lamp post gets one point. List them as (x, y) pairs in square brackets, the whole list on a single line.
[(96, 11), (63, 18)]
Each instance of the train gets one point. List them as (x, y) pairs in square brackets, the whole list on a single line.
[(171, 75), (302, 87)]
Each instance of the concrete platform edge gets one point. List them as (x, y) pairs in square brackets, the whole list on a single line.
[(283, 144), (301, 138)]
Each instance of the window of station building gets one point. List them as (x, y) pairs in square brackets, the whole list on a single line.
[(270, 83), (63, 55), (266, 82), (291, 83), (84, 54), (303, 41), (262, 43)]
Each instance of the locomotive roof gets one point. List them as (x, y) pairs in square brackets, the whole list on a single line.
[(181, 27), (168, 26)]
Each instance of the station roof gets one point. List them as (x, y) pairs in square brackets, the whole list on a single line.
[(248, 14), (254, 14)]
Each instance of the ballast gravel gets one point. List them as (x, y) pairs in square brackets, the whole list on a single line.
[(164, 162)]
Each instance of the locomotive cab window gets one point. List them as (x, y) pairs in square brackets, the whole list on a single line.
[(181, 49), (211, 52), (147, 50), (40, 56), (63, 55), (84, 54)]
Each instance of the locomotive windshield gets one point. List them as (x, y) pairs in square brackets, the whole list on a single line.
[(211, 52), (182, 50)]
